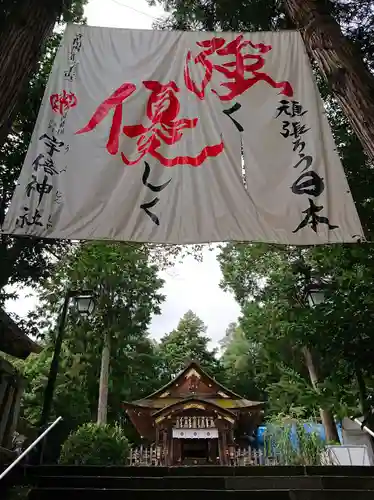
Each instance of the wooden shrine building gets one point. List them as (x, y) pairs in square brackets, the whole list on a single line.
[(194, 420), (13, 341)]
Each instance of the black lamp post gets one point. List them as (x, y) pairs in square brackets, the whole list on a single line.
[(85, 304)]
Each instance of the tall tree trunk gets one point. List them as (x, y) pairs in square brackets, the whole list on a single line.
[(24, 30), (102, 410), (365, 407), (326, 417), (340, 63)]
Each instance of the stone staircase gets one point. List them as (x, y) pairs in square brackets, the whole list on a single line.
[(54, 482)]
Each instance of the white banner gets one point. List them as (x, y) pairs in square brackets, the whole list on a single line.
[(183, 137)]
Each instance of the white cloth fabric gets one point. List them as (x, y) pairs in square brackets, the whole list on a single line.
[(195, 433), (183, 137)]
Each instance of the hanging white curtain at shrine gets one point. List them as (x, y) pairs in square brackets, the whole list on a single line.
[(183, 137)]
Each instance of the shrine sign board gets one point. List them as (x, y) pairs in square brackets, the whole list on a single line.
[(195, 433), (183, 137)]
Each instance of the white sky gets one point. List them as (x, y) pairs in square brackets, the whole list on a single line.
[(190, 285)]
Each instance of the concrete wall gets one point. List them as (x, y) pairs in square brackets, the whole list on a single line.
[(353, 435)]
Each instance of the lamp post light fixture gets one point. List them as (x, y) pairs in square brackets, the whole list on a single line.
[(85, 304), (315, 293)]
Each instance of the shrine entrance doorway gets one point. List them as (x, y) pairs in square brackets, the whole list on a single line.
[(199, 451)]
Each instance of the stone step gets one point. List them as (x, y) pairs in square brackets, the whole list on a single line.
[(220, 471), (207, 482), (97, 470), (121, 494)]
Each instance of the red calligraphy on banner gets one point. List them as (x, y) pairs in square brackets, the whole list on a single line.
[(163, 108), (60, 103), (234, 71), (114, 101)]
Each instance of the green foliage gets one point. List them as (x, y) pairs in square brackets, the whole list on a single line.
[(242, 372), (127, 290), (70, 401), (225, 15), (126, 287), (276, 323), (94, 444), (18, 493), (187, 342), (73, 11), (308, 450)]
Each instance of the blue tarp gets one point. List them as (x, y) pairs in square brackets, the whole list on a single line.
[(309, 427)]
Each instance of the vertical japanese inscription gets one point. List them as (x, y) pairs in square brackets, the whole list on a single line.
[(71, 72), (156, 189), (41, 181), (44, 168), (308, 181)]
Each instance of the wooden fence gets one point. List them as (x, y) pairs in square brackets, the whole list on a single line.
[(154, 456), (146, 455)]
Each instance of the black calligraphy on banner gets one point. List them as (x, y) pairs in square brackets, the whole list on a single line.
[(312, 219), (45, 163), (42, 187), (308, 182), (62, 102), (41, 181), (52, 144), (71, 72), (29, 219), (44, 169), (231, 111), (156, 189), (291, 109), (239, 127)]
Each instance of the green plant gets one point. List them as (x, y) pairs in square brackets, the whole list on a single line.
[(305, 449), (18, 493), (93, 444)]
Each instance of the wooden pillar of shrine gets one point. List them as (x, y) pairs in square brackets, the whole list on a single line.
[(165, 446), (177, 454), (232, 440), (222, 440), (170, 445), (224, 446)]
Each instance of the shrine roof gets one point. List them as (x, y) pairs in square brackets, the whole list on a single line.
[(193, 402), (223, 403), (13, 340), (192, 365), (174, 392)]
